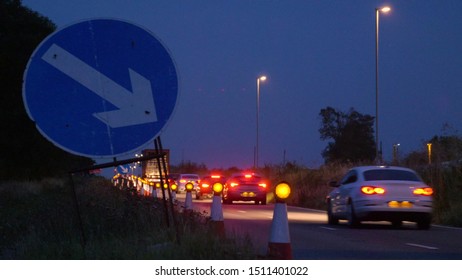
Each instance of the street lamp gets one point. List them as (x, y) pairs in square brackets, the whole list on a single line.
[(378, 157), (429, 148), (395, 154), (261, 78)]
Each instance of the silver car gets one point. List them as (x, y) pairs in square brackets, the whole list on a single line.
[(183, 179), (380, 193)]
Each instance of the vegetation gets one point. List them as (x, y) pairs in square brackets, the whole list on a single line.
[(344, 129), (24, 153), (41, 220)]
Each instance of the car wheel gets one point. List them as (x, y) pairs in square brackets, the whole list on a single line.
[(396, 223), (331, 220), (352, 219), (424, 224)]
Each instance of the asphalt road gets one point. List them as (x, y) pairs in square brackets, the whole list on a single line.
[(313, 239)]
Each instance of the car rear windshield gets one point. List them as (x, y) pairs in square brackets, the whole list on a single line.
[(243, 178), (390, 175), (190, 177)]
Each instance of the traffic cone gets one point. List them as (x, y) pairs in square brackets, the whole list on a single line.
[(279, 246), (188, 200), (216, 213)]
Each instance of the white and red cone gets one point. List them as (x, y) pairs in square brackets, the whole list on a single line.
[(188, 201), (216, 216), (279, 246)]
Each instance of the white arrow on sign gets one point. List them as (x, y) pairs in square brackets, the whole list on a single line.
[(123, 169), (136, 107)]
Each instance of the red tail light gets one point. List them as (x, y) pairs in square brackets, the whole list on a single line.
[(204, 185), (233, 184), (371, 190), (423, 191), (216, 176), (263, 185), (248, 175)]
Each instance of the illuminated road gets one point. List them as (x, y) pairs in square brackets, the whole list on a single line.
[(312, 238)]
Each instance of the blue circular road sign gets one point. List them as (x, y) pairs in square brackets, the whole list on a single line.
[(101, 87)]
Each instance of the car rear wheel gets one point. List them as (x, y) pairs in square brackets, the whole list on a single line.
[(424, 224), (352, 219), (396, 223), (331, 220)]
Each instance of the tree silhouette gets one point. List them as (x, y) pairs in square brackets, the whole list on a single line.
[(352, 135), (25, 153)]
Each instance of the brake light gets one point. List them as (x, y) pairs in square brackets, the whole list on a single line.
[(423, 191), (248, 175), (216, 176), (263, 185), (233, 184), (370, 190), (204, 185)]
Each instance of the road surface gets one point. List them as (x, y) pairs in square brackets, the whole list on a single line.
[(313, 239)]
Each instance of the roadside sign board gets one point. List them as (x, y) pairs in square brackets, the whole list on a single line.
[(123, 169), (101, 87)]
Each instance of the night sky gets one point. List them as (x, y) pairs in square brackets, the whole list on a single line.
[(314, 53)]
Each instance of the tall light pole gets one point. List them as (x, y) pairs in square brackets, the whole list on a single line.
[(261, 78), (429, 148), (378, 157)]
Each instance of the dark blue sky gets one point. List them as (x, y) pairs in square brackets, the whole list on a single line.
[(314, 53)]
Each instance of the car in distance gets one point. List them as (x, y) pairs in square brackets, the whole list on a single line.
[(183, 179), (380, 193), (206, 184), (245, 187)]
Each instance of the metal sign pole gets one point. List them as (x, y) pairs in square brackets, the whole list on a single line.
[(164, 166)]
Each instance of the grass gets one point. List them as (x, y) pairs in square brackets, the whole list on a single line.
[(40, 220)]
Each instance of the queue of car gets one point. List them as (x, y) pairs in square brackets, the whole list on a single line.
[(365, 193), (244, 186)]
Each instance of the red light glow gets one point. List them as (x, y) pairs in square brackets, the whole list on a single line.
[(423, 191), (371, 190)]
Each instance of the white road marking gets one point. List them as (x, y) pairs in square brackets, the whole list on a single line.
[(422, 246), (328, 228)]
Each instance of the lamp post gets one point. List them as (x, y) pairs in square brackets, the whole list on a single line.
[(261, 78), (378, 157), (429, 148), (395, 154)]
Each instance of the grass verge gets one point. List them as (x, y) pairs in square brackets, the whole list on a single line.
[(40, 220)]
